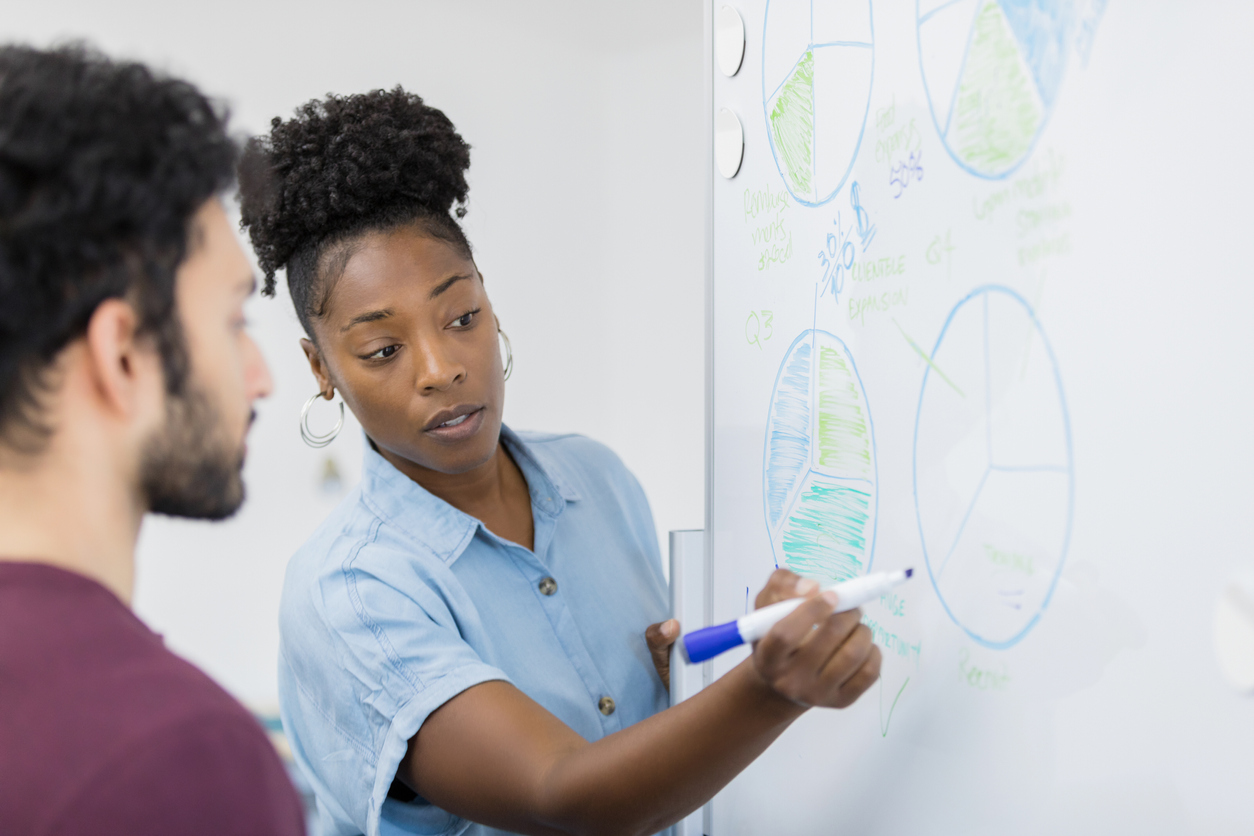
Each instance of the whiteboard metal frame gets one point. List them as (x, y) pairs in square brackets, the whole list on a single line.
[(707, 546), (688, 604)]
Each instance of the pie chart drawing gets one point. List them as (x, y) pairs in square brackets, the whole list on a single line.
[(994, 481), (992, 70), (818, 59), (819, 466)]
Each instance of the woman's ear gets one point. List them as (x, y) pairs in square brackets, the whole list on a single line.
[(319, 368)]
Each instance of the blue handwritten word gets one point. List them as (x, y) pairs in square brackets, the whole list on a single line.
[(841, 249), (893, 604), (903, 173), (837, 258), (866, 229), (893, 644)]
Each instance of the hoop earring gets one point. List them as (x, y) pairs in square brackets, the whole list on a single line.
[(509, 352), (308, 436)]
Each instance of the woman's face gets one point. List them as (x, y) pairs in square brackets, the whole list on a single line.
[(409, 339)]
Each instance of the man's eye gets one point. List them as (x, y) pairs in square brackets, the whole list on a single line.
[(383, 353)]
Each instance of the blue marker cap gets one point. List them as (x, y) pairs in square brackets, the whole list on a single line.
[(707, 643)]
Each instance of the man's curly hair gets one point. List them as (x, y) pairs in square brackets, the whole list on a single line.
[(342, 167), (103, 165)]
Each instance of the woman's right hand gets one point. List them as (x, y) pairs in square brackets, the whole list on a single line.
[(493, 755), (814, 657)]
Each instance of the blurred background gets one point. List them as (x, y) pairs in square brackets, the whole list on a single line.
[(586, 214)]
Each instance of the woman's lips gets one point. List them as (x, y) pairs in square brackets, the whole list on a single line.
[(459, 428)]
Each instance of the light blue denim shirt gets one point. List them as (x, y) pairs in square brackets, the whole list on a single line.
[(399, 602)]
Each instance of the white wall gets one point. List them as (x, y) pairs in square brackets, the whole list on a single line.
[(586, 214)]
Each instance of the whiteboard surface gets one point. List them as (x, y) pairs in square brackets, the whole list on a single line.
[(980, 306)]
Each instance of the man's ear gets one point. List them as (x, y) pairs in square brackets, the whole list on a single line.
[(121, 365), (319, 367)]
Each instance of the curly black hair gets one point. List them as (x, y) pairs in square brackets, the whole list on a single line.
[(103, 164), (344, 166)]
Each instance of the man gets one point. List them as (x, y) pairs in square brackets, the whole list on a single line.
[(126, 386)]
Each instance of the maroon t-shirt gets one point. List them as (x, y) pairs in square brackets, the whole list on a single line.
[(104, 731)]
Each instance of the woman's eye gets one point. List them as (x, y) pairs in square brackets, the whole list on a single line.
[(466, 319), (383, 353)]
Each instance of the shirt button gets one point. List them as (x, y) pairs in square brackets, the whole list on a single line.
[(606, 704), (548, 586)]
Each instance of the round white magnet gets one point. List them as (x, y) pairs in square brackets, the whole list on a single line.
[(729, 143), (1234, 634), (729, 40)]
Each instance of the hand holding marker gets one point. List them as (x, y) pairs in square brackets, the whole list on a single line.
[(709, 642)]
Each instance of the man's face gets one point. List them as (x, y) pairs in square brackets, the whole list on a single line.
[(192, 466)]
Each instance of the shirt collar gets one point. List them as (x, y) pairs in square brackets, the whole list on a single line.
[(429, 520)]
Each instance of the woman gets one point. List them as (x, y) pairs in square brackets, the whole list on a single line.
[(463, 639)]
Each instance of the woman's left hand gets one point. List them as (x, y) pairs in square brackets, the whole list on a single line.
[(660, 637)]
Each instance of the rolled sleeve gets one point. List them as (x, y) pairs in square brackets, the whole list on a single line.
[(419, 816), (399, 656)]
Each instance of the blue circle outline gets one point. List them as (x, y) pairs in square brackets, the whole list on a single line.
[(875, 458), (1066, 420), (770, 138), (940, 134)]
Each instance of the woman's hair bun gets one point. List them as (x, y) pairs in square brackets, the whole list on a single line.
[(345, 163)]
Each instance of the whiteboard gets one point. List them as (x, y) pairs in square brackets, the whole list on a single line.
[(980, 304)]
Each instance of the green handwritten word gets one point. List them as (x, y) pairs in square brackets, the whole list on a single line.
[(1014, 561), (894, 604), (885, 115), (1045, 248), (1050, 213), (1044, 177), (758, 327), (893, 643), (774, 231), (983, 679), (878, 268), (860, 306), (764, 208), (941, 248), (985, 208), (775, 253), (766, 199), (905, 138)]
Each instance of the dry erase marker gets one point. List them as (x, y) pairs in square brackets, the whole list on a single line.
[(709, 642)]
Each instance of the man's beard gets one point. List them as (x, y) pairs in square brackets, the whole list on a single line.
[(188, 468)]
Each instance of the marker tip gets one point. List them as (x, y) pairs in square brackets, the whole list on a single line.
[(909, 572)]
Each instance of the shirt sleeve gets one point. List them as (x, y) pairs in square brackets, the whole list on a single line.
[(211, 774), (368, 652)]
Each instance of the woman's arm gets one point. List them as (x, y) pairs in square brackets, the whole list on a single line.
[(495, 756)]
